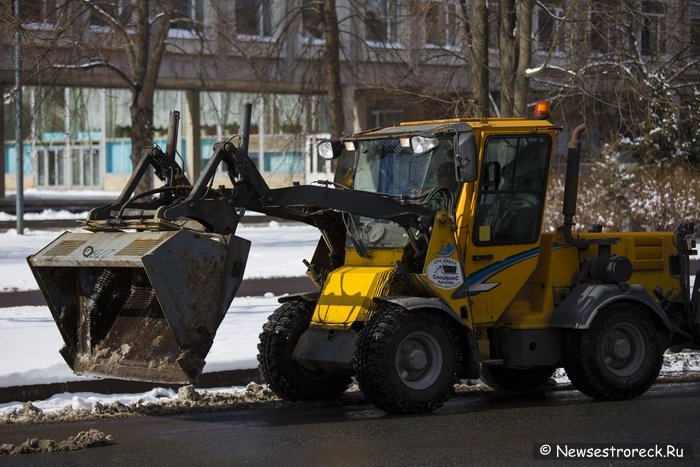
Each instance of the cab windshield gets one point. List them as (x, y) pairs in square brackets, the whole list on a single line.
[(384, 166)]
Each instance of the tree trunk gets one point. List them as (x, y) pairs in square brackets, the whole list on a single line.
[(141, 133), (332, 64), (479, 47), (508, 54), (524, 37), (146, 51)]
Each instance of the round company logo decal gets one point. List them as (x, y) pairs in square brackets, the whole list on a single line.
[(445, 273), (447, 250)]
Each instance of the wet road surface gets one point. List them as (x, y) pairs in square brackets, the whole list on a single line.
[(495, 428)]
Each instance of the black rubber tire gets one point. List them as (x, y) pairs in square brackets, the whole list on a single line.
[(395, 339), (516, 379), (618, 357), (287, 379)]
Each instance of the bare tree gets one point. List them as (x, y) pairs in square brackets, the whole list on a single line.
[(331, 34), (142, 35), (630, 71), (476, 35), (521, 83), (508, 53)]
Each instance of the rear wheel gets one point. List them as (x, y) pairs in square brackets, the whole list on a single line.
[(407, 361), (618, 357), (516, 379), (284, 376)]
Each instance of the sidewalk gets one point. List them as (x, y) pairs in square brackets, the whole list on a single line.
[(69, 201)]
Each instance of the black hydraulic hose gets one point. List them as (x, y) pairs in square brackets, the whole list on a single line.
[(149, 193)]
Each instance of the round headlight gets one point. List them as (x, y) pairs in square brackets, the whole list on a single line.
[(325, 150)]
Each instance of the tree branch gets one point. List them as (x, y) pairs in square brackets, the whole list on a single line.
[(97, 63)]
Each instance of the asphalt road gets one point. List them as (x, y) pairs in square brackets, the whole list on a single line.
[(477, 428)]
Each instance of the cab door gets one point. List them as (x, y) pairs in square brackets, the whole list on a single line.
[(504, 237)]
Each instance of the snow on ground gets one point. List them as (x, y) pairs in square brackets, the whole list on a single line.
[(29, 342), (46, 214), (67, 194), (276, 251)]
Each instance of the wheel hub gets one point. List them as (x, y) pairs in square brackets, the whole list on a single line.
[(416, 359), (419, 360), (623, 349)]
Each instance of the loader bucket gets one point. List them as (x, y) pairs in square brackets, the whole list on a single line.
[(139, 305)]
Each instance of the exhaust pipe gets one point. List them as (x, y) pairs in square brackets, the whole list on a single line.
[(573, 167), (173, 124)]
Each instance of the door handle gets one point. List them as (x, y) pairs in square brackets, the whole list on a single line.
[(482, 257)]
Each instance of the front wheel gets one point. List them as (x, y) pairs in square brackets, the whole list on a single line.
[(285, 377), (618, 357), (407, 361)]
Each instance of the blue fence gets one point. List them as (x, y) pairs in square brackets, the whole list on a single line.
[(118, 156), (11, 159)]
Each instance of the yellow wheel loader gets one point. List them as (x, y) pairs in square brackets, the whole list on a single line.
[(431, 266)]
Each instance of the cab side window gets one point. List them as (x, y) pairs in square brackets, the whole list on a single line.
[(512, 190)]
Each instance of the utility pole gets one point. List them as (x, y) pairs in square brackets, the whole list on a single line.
[(2, 144), (19, 147)]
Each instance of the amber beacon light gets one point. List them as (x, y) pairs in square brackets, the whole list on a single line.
[(541, 110)]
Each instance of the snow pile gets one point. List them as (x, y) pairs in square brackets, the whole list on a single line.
[(677, 366), (680, 363), (158, 401), (85, 439)]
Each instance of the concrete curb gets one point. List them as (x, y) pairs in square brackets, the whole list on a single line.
[(117, 386)]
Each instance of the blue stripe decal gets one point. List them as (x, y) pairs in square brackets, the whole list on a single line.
[(495, 268), (482, 275)]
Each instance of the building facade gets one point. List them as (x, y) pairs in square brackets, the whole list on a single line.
[(399, 60)]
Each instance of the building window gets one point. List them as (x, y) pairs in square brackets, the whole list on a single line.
[(548, 19), (188, 15), (600, 30), (385, 117), (312, 19), (119, 10), (611, 27), (254, 18), (695, 29), (441, 23), (381, 21), (653, 28), (37, 11)]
